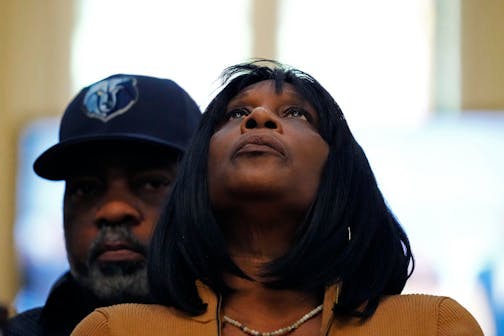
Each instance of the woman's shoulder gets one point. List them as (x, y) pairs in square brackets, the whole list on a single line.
[(128, 317), (127, 310), (139, 319), (422, 302), (442, 314), (413, 315)]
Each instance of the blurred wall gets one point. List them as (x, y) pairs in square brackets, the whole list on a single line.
[(34, 82), (467, 56), (482, 54)]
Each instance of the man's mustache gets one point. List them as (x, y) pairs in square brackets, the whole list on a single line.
[(113, 238)]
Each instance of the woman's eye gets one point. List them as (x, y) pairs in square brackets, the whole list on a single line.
[(237, 114), (298, 113)]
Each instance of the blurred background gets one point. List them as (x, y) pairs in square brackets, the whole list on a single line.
[(421, 83)]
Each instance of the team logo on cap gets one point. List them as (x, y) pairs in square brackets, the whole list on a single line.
[(110, 97)]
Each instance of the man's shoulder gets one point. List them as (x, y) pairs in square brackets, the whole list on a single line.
[(63, 309), (24, 324)]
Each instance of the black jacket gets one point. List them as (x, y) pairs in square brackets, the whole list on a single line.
[(68, 303)]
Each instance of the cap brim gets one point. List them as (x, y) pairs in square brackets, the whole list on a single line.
[(59, 160)]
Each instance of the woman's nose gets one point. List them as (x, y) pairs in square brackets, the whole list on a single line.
[(261, 118)]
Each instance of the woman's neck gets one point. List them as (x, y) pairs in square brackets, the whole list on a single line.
[(256, 236), (266, 309), (262, 308), (260, 233)]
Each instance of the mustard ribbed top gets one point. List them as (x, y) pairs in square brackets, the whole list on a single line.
[(397, 315)]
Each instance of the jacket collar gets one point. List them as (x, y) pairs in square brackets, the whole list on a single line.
[(210, 298), (66, 305)]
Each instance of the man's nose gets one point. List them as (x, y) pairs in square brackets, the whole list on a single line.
[(261, 117), (119, 206)]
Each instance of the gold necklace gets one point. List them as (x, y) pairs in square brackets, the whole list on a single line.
[(278, 332)]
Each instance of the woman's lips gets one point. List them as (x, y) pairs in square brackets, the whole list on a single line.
[(255, 143)]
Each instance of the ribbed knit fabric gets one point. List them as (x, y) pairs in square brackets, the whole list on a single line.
[(398, 315), (413, 315)]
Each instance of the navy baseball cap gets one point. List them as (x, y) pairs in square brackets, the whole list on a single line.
[(125, 109)]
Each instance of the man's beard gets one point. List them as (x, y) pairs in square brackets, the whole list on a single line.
[(114, 282)]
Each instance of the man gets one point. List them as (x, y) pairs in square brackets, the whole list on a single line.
[(119, 143), (3, 317)]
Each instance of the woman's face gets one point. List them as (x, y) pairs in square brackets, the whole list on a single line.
[(268, 148)]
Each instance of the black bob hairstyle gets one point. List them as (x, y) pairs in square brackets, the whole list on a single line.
[(188, 244)]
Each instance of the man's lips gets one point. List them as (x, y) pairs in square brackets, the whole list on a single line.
[(120, 255), (258, 143), (118, 252)]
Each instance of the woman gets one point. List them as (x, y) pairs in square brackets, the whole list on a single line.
[(276, 226)]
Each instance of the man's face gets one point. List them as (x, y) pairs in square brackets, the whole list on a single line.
[(111, 206)]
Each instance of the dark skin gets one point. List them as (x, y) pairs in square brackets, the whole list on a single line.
[(265, 163), (111, 206)]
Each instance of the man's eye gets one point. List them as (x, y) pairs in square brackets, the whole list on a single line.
[(156, 184), (83, 189), (236, 114)]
